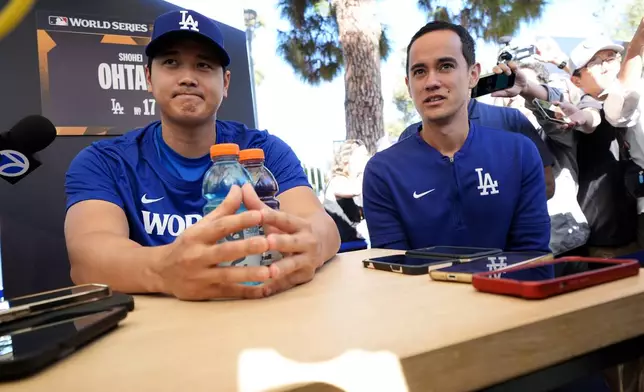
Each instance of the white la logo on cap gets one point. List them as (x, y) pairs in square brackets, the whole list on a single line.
[(188, 22)]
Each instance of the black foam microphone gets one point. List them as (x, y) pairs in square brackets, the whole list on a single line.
[(20, 143)]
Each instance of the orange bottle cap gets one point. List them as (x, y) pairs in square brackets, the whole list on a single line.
[(251, 154), (222, 149)]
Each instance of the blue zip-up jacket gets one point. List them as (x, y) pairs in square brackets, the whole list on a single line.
[(490, 194)]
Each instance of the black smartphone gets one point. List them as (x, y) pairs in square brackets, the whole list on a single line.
[(491, 83), (461, 253), (407, 265), (548, 111), (26, 351), (20, 307)]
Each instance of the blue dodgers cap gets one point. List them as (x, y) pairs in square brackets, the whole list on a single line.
[(175, 24)]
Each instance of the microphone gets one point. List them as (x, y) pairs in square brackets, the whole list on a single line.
[(20, 143)]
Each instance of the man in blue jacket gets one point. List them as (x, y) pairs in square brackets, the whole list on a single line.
[(509, 119), (454, 182)]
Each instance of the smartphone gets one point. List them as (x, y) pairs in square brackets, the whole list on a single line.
[(407, 265), (491, 83), (530, 281), (26, 351), (463, 272), (462, 253), (30, 305), (549, 111)]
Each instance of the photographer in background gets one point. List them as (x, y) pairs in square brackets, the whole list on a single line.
[(602, 196), (623, 109), (569, 227), (602, 154)]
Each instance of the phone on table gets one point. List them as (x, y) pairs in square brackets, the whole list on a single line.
[(491, 83), (549, 111), (407, 265), (461, 253), (30, 305), (24, 352), (529, 281), (462, 272)]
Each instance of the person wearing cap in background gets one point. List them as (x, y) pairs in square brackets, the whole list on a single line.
[(623, 109), (601, 193), (134, 202), (602, 153)]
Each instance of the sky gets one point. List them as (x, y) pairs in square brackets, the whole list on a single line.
[(311, 118)]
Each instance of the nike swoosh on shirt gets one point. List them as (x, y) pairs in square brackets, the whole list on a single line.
[(145, 199), (419, 195)]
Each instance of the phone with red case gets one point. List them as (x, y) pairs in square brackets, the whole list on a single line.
[(529, 281)]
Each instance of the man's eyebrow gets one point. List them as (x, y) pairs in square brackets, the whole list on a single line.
[(417, 65), (447, 59)]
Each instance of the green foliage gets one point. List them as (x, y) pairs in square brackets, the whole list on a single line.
[(628, 21), (485, 19), (395, 128), (312, 47), (405, 105)]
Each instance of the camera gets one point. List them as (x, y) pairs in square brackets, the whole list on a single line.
[(513, 53)]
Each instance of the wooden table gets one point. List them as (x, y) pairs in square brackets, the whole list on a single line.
[(447, 336)]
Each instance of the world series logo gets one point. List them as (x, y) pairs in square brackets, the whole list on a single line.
[(13, 163)]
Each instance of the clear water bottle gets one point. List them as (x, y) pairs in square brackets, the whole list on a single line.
[(266, 188), (225, 172)]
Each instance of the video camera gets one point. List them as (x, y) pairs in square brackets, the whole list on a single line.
[(513, 53)]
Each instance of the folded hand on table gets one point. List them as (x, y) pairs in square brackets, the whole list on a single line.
[(293, 237)]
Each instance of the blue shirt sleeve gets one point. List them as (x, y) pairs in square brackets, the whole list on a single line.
[(89, 177), (526, 128), (383, 221), (530, 227), (554, 94), (284, 164)]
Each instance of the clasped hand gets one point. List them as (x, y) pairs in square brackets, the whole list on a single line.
[(191, 267)]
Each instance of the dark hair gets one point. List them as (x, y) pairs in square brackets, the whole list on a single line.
[(542, 73), (467, 42)]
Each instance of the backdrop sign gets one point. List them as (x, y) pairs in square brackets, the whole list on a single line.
[(92, 73)]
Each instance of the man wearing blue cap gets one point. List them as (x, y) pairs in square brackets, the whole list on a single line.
[(134, 202)]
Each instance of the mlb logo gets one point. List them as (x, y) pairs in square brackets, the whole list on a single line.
[(58, 21)]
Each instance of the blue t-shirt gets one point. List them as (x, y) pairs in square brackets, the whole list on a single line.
[(498, 117), (159, 190), (189, 169), (490, 194)]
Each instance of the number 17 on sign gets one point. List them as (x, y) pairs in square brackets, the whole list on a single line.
[(149, 105), (116, 107)]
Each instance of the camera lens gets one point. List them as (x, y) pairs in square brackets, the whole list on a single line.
[(505, 56)]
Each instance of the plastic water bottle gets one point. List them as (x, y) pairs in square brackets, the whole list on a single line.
[(265, 186), (225, 172)]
